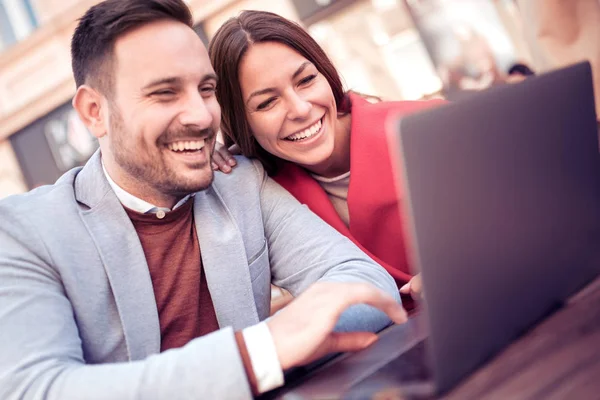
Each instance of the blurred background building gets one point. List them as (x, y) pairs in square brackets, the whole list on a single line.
[(395, 49)]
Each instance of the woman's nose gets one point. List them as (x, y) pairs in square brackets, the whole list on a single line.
[(298, 108)]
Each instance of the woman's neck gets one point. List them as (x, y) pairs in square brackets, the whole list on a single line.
[(338, 162)]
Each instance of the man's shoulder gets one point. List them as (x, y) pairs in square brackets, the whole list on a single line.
[(247, 174), (43, 200), (247, 187)]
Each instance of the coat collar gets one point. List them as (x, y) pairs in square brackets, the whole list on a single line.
[(373, 200)]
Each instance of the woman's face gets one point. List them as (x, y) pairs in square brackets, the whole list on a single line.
[(289, 105)]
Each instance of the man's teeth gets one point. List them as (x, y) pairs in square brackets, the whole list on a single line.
[(305, 134), (186, 145)]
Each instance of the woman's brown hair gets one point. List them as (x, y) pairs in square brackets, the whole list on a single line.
[(228, 47)]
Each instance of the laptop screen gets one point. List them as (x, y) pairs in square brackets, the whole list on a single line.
[(502, 197)]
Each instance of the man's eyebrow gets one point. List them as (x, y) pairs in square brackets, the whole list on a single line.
[(174, 80), (209, 77), (163, 81), (301, 68)]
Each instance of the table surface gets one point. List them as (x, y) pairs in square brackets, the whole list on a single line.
[(557, 359)]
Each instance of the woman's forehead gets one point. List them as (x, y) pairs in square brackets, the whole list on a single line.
[(264, 62)]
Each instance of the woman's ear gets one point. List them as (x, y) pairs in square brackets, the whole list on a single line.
[(88, 104)]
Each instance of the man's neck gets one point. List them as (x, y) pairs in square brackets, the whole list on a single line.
[(134, 192)]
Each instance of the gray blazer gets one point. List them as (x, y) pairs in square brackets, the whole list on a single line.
[(78, 318)]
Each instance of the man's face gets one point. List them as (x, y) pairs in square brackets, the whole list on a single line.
[(163, 114)]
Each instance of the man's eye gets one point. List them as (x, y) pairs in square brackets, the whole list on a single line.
[(208, 89), (163, 93)]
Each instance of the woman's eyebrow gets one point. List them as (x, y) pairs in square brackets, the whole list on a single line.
[(301, 68), (259, 92)]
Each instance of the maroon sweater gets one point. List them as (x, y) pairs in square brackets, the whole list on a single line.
[(185, 308)]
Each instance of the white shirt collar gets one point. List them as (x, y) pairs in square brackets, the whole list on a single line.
[(135, 203)]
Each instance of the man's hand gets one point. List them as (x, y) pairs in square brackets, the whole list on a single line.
[(414, 287), (303, 331)]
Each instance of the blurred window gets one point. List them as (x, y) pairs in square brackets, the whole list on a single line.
[(377, 50), (17, 21)]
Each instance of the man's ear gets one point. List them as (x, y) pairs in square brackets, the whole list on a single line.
[(88, 104)]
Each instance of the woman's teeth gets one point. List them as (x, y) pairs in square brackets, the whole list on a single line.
[(307, 133), (189, 145)]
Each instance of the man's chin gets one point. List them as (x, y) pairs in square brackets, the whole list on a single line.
[(185, 185)]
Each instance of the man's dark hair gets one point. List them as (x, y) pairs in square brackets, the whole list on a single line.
[(94, 38), (520, 69)]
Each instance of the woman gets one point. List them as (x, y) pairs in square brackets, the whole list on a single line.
[(283, 103)]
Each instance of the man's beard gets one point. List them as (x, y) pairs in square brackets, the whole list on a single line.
[(154, 172)]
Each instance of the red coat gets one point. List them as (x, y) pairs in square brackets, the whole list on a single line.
[(373, 201)]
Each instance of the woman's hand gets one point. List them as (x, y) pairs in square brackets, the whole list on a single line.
[(222, 158), (279, 298), (414, 287)]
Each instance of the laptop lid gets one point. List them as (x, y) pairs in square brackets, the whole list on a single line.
[(502, 198)]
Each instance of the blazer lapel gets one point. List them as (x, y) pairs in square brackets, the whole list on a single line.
[(123, 259), (224, 262)]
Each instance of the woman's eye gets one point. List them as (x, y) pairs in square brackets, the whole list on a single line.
[(265, 104), (308, 79)]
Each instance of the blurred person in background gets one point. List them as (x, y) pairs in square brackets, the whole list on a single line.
[(475, 61), (284, 104), (473, 68), (563, 32)]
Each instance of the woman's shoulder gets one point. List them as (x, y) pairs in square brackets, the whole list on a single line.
[(373, 118), (372, 103)]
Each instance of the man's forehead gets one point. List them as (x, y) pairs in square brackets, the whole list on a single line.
[(155, 30), (162, 49)]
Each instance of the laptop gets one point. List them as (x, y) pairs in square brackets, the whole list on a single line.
[(502, 198)]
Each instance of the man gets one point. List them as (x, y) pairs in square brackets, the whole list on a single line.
[(114, 281)]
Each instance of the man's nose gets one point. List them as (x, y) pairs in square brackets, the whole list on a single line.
[(196, 112), (298, 107)]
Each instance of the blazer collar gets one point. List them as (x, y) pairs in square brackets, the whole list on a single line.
[(123, 259), (91, 185)]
